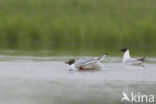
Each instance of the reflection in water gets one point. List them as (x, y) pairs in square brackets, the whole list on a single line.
[(47, 80)]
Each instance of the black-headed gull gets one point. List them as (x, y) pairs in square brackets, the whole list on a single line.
[(131, 61), (86, 63)]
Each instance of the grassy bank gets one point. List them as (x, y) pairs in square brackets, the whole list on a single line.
[(78, 24)]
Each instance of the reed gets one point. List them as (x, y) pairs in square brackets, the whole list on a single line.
[(78, 24)]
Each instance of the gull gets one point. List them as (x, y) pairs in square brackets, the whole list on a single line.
[(86, 63), (127, 59)]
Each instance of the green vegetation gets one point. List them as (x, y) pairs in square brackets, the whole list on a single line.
[(78, 24)]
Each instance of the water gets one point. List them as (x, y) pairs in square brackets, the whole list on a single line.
[(47, 80)]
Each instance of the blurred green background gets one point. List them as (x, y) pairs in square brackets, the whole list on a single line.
[(78, 26)]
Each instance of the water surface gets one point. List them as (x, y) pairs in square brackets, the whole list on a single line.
[(47, 80)]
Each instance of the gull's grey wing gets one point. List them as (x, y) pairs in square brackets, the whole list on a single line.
[(88, 60), (85, 61), (133, 61)]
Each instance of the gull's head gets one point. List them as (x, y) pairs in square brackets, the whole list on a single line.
[(123, 50), (105, 54), (70, 62)]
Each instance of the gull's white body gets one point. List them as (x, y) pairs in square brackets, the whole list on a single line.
[(131, 61)]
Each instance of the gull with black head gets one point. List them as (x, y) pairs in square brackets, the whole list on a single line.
[(86, 63), (127, 59)]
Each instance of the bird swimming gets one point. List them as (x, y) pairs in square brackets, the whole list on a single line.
[(86, 63), (127, 59)]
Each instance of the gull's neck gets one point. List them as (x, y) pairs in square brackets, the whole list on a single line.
[(126, 56)]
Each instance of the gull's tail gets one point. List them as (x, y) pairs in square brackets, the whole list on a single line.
[(142, 59), (101, 58)]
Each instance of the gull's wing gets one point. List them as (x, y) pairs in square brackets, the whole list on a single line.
[(101, 58), (87, 61), (134, 61)]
